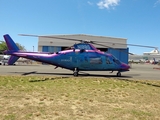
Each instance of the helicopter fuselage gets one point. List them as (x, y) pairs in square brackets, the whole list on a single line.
[(80, 57), (85, 60)]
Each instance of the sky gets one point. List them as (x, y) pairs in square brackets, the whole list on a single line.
[(136, 20)]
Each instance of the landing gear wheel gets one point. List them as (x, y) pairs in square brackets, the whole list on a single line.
[(75, 73), (118, 74)]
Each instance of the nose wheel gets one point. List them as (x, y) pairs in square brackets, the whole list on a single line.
[(75, 72), (118, 74)]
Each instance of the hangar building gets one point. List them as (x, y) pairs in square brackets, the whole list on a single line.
[(48, 44)]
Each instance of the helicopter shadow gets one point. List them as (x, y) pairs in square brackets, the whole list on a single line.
[(138, 81), (81, 74)]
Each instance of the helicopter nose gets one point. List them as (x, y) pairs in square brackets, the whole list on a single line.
[(125, 66)]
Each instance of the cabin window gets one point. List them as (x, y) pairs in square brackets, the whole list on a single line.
[(96, 60)]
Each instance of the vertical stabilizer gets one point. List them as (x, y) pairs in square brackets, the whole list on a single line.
[(10, 43), (11, 47)]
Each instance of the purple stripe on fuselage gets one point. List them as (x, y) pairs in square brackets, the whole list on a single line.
[(33, 54)]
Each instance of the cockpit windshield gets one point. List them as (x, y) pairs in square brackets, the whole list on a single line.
[(84, 46)]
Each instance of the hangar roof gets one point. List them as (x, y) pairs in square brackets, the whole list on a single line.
[(44, 41)]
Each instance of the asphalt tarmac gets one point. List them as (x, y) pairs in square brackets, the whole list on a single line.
[(137, 71)]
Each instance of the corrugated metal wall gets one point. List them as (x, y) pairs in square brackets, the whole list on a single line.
[(121, 54), (50, 49)]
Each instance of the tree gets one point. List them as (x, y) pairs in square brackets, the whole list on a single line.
[(20, 47), (3, 46)]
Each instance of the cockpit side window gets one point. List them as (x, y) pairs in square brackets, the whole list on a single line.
[(116, 60)]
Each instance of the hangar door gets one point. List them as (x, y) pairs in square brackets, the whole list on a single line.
[(121, 54)]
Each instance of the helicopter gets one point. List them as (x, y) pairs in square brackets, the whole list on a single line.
[(83, 56)]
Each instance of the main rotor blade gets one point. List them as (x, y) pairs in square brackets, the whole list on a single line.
[(71, 39), (79, 40), (112, 48), (128, 44), (101, 44)]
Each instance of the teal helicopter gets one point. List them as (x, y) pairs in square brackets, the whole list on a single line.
[(83, 56)]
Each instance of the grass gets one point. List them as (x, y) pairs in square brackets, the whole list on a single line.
[(33, 97)]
